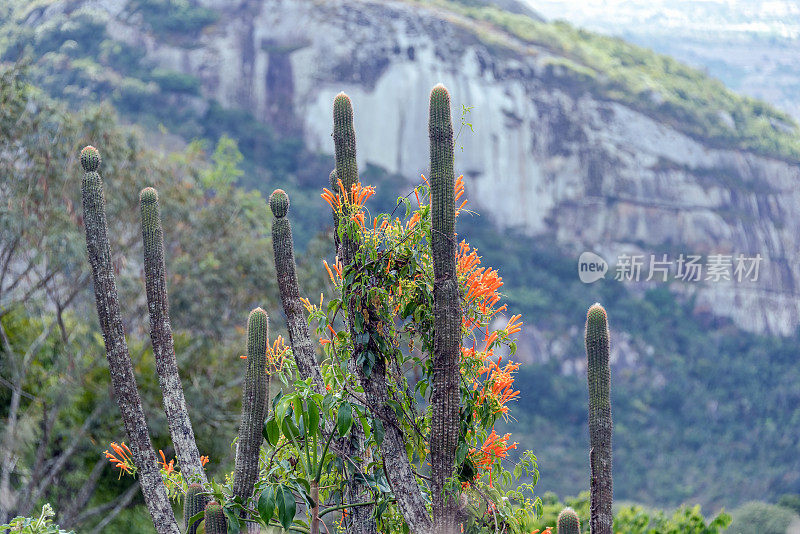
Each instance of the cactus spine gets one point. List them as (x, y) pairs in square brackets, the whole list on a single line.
[(600, 424), (194, 503), (214, 520), (254, 404), (180, 426), (119, 361), (447, 310), (568, 522)]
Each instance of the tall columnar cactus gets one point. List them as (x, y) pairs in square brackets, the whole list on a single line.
[(214, 519), (119, 361), (282, 245), (180, 426), (344, 138), (396, 464), (253, 406), (194, 503), (447, 310), (568, 522), (600, 425)]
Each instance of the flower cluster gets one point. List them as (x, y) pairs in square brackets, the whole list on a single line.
[(493, 450), (492, 383), (276, 355), (121, 458), (352, 202)]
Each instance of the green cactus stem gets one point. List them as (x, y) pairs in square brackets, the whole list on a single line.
[(119, 361), (344, 138), (600, 424), (194, 502), (180, 427), (568, 522), (254, 405), (214, 520), (283, 247), (447, 310)]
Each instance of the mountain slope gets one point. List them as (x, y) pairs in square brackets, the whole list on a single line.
[(581, 142), (577, 135)]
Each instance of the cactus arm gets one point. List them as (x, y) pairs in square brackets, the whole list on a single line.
[(119, 361), (254, 404), (194, 502), (396, 464), (283, 247), (447, 311), (568, 522), (600, 424), (180, 427)]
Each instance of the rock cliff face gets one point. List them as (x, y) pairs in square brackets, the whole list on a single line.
[(545, 157)]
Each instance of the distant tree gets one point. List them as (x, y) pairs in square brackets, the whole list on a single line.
[(763, 518)]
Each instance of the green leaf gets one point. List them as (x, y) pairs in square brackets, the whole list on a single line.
[(280, 411), (378, 430), (297, 408), (287, 506), (381, 508), (290, 429), (312, 421), (344, 418), (461, 452), (233, 520), (196, 517), (271, 432), (276, 400), (327, 402), (266, 503)]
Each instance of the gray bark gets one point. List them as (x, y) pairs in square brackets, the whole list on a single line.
[(180, 426), (119, 361)]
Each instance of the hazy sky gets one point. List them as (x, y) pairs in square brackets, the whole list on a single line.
[(774, 17)]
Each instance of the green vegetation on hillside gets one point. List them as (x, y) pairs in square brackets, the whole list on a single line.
[(75, 58), (657, 85)]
